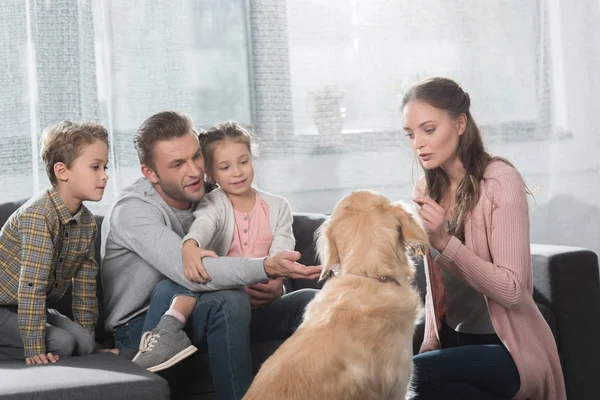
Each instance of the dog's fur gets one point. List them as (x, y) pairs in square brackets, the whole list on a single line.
[(356, 338)]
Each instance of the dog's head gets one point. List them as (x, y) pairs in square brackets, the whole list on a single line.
[(368, 235)]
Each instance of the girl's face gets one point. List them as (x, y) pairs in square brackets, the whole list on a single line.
[(232, 167), (433, 134)]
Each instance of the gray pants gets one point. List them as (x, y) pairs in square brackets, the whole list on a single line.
[(63, 336)]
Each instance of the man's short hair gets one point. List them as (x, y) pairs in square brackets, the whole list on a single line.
[(64, 142), (164, 125)]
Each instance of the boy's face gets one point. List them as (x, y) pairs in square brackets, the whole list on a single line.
[(87, 176)]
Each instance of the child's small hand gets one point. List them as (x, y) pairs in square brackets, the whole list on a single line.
[(43, 359), (192, 262)]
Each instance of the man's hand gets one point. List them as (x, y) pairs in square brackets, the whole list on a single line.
[(192, 262), (284, 265), (262, 294), (43, 359)]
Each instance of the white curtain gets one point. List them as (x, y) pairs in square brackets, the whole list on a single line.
[(320, 82), (116, 62)]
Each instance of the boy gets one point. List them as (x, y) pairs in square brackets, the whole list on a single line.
[(47, 244)]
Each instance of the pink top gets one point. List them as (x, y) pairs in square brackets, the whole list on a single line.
[(496, 261), (252, 236)]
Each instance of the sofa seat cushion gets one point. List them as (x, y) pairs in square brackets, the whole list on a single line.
[(98, 376)]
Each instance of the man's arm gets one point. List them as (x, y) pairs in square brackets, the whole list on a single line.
[(85, 302), (142, 228)]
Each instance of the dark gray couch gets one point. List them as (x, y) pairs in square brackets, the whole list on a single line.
[(567, 290)]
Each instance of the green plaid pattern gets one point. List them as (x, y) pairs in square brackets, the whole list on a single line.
[(43, 248)]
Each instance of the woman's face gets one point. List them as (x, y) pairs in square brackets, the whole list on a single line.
[(433, 134)]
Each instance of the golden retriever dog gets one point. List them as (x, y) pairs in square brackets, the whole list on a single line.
[(355, 341)]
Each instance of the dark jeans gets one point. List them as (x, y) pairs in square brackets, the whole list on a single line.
[(468, 367), (224, 322)]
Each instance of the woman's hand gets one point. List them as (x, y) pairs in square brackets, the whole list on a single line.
[(433, 216), (192, 262)]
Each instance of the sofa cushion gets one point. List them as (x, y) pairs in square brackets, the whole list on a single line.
[(99, 376), (6, 209)]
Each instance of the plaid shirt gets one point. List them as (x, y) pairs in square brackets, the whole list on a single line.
[(43, 248)]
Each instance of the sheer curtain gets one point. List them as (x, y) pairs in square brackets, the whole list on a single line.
[(116, 62), (320, 82)]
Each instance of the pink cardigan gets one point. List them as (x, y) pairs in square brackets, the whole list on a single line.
[(496, 261)]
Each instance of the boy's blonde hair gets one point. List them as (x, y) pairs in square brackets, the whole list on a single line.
[(64, 141)]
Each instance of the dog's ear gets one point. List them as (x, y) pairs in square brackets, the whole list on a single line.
[(411, 228), (326, 248)]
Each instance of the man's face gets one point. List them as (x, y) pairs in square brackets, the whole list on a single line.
[(178, 173)]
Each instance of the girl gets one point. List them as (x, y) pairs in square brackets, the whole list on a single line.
[(484, 335), (234, 220)]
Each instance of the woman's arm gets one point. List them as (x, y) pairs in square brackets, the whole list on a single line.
[(504, 279)]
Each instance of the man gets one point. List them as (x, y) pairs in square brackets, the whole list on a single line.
[(141, 245)]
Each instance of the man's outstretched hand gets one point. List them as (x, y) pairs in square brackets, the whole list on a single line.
[(284, 265)]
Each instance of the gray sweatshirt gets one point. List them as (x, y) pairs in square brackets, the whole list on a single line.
[(141, 245)]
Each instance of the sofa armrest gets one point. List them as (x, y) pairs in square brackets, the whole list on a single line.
[(567, 280)]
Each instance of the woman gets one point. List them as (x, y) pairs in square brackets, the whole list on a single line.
[(484, 335)]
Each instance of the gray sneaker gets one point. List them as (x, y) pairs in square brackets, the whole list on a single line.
[(162, 349)]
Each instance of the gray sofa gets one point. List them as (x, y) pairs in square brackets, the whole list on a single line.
[(567, 290)]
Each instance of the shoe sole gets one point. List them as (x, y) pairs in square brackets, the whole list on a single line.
[(182, 355)]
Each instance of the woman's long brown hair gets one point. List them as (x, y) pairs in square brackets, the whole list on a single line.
[(445, 94)]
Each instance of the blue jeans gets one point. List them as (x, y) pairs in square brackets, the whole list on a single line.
[(465, 371), (223, 322)]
